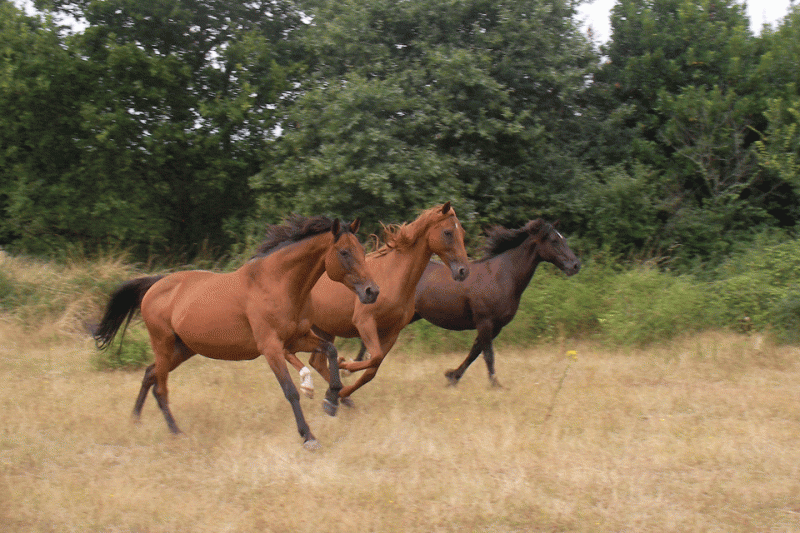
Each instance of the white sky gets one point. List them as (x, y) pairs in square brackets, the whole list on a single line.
[(598, 12)]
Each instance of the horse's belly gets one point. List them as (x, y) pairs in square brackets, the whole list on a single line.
[(220, 338), (453, 323)]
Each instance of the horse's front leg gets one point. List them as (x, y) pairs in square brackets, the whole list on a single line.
[(324, 348), (274, 352), (378, 348), (306, 383), (488, 356)]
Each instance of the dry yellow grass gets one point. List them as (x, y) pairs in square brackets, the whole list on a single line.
[(698, 435)]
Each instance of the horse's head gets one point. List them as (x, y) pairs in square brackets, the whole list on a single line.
[(446, 239), (552, 247), (345, 263)]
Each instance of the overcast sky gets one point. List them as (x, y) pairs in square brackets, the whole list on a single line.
[(597, 14)]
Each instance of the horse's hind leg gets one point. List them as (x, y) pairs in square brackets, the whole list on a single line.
[(454, 375), (168, 356), (482, 342), (361, 352), (148, 381)]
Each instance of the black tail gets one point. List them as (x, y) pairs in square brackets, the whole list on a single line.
[(122, 305)]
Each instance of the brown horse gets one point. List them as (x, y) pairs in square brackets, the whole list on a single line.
[(263, 308), (489, 299), (397, 267)]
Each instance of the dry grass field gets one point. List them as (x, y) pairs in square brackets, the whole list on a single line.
[(702, 434)]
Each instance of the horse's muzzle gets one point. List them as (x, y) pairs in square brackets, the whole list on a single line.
[(367, 293), (572, 268), (459, 271)]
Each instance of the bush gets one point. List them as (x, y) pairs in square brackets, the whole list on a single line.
[(645, 305)]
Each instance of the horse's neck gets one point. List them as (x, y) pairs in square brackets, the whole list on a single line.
[(293, 270), (521, 263), (405, 268)]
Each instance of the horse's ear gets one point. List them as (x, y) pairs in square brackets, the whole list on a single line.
[(355, 225), (556, 224), (446, 208), (336, 228)]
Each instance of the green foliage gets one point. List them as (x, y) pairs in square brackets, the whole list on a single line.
[(681, 94), (413, 103), (761, 284), (619, 210), (144, 128), (645, 306), (779, 147), (178, 128)]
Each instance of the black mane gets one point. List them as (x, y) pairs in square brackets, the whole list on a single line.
[(500, 239), (295, 228)]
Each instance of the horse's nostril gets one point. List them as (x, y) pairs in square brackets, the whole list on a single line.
[(371, 293)]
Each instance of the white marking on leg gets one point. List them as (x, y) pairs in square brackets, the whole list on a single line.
[(306, 382)]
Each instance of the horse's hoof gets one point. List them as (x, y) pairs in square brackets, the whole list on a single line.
[(343, 372), (329, 407), (308, 391), (311, 445), (347, 402), (452, 380), (495, 383)]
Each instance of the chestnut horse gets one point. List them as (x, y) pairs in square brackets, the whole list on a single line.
[(263, 308), (397, 267), (489, 299)]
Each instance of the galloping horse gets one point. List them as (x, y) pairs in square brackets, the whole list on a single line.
[(397, 267), (263, 308), (489, 299)]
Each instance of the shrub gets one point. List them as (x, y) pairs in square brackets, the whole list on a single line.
[(645, 305)]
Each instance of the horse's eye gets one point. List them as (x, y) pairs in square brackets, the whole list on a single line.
[(448, 233), (344, 253)]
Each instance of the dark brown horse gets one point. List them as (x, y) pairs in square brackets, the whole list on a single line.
[(397, 267), (263, 308), (490, 297)]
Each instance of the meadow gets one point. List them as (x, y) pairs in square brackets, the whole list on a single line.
[(623, 408), (698, 434)]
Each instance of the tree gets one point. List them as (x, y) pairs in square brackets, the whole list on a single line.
[(167, 107), (678, 90), (779, 145), (42, 84), (414, 103)]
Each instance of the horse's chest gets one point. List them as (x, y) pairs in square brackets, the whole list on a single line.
[(290, 331)]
